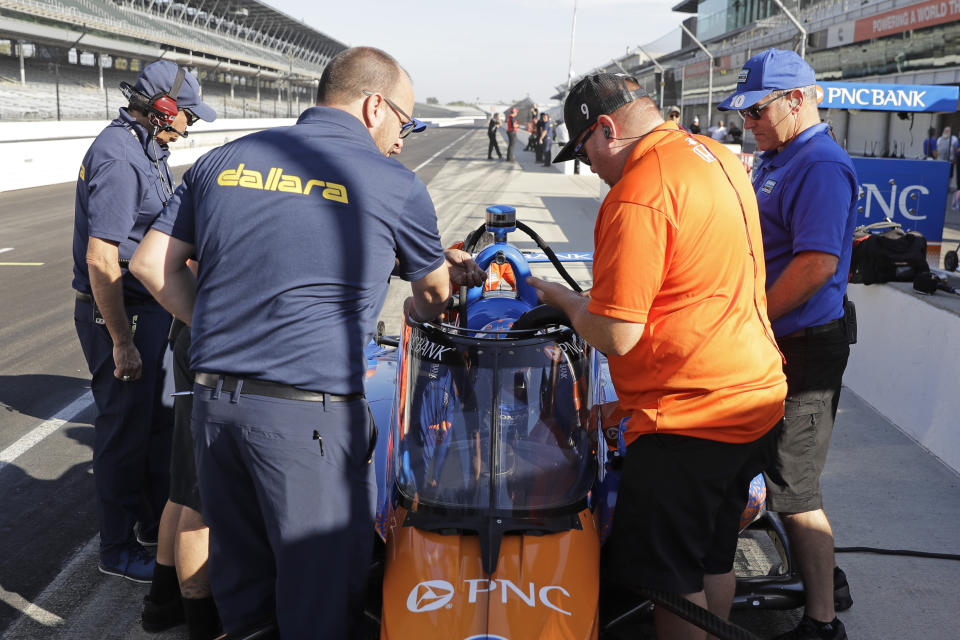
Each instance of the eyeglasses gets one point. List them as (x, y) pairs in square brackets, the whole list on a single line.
[(191, 117), (754, 112), (578, 149), (407, 124)]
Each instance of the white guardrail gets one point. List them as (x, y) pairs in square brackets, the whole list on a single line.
[(34, 154)]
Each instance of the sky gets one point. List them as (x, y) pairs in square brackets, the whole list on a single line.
[(489, 50)]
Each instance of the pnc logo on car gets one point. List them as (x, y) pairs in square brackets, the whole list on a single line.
[(429, 596)]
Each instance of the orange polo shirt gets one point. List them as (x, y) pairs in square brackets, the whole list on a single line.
[(675, 251)]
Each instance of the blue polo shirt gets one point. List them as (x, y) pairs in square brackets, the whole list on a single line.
[(296, 231), (807, 195), (124, 182)]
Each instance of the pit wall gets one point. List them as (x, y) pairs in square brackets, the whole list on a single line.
[(905, 363), (34, 154)]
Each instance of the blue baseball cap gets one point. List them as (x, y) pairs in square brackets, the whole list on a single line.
[(772, 70), (159, 77)]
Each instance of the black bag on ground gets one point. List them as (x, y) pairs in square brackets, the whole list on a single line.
[(884, 252)]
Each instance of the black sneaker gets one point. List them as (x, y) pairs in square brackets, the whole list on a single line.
[(810, 629), (160, 617), (146, 538), (841, 590)]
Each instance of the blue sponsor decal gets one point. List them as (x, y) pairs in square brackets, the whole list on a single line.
[(911, 192), (486, 637), (887, 97), (568, 256)]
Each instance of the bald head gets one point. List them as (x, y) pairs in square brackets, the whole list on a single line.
[(356, 70)]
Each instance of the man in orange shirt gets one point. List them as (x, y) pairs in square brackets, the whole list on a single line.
[(678, 306), (513, 125)]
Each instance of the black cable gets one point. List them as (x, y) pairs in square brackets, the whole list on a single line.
[(697, 615), (899, 552), (551, 256)]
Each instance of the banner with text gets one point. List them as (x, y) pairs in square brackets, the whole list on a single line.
[(887, 97), (915, 16)]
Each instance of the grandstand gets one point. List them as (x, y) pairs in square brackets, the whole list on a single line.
[(63, 59), (843, 40)]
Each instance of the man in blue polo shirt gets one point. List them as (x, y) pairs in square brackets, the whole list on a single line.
[(123, 184), (296, 231), (807, 192)]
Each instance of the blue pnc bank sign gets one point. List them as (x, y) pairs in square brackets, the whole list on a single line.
[(887, 97), (911, 192)]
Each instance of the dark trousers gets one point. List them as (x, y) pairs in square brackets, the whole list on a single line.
[(291, 514), (814, 369), (493, 146), (511, 143), (133, 427), (547, 151)]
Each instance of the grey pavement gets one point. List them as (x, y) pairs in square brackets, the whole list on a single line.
[(881, 489)]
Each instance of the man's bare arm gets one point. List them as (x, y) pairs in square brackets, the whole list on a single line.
[(805, 274), (609, 335), (106, 283)]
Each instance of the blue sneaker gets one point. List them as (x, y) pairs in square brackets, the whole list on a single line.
[(133, 563)]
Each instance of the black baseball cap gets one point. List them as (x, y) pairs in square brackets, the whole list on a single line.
[(595, 95)]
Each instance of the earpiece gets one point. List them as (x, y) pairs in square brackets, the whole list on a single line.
[(161, 108), (606, 132)]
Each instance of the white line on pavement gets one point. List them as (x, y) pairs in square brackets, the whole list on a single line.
[(433, 157), (44, 429), (7, 249), (35, 612)]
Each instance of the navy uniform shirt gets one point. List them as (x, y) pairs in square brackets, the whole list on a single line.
[(123, 184), (807, 195), (296, 232)]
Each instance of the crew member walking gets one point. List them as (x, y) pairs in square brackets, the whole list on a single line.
[(124, 182), (296, 231), (493, 131)]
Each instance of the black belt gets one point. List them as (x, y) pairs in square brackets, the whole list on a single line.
[(228, 384), (829, 327), (129, 300)]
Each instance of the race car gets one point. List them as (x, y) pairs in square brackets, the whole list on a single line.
[(497, 464)]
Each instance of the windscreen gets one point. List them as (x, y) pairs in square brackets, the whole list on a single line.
[(496, 427)]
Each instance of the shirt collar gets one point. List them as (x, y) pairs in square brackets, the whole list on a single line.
[(780, 158), (338, 117), (154, 150), (649, 140)]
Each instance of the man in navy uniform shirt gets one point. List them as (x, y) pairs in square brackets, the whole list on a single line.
[(124, 182), (807, 193), (296, 231)]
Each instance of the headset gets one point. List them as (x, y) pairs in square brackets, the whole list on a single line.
[(161, 109)]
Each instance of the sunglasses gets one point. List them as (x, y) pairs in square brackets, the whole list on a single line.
[(755, 112), (578, 152), (191, 117), (407, 124)]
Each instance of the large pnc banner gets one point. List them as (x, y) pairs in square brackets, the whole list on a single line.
[(887, 97)]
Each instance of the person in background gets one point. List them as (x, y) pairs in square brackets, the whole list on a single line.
[(548, 132), (695, 125), (947, 148), (734, 133), (807, 192), (673, 115), (930, 144), (493, 132), (513, 125), (718, 131)]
